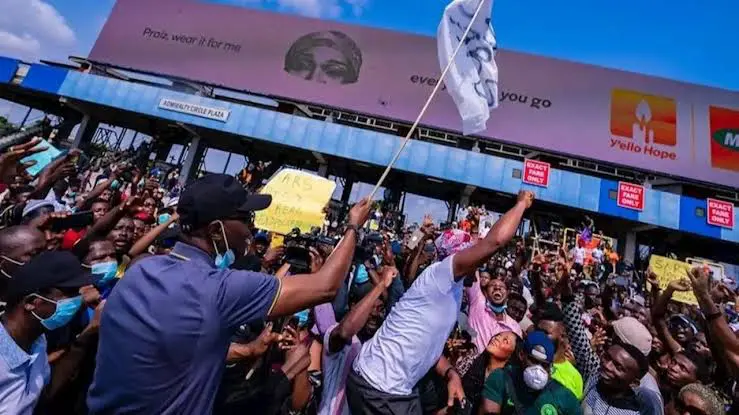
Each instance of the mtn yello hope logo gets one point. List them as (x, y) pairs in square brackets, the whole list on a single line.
[(642, 123), (724, 125)]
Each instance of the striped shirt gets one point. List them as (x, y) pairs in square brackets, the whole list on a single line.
[(588, 363)]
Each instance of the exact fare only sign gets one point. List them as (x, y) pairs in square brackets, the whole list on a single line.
[(720, 213), (630, 196), (536, 173)]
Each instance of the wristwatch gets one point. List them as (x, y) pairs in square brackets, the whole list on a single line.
[(355, 228)]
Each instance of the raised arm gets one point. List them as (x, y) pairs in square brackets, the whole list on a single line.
[(659, 310), (353, 322), (141, 246), (588, 363), (467, 261), (304, 291), (718, 327)]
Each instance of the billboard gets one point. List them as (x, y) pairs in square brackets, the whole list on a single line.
[(563, 107)]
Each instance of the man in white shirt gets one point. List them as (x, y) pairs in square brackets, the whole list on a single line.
[(578, 256), (411, 340)]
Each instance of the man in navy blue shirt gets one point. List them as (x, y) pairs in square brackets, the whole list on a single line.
[(168, 324)]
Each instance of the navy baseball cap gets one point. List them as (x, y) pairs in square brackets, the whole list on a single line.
[(539, 346), (214, 197), (52, 269)]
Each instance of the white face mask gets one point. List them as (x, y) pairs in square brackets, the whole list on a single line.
[(12, 261), (536, 377)]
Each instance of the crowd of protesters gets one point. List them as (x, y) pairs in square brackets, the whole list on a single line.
[(123, 293)]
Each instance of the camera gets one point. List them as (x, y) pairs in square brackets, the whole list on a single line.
[(364, 250), (297, 249)]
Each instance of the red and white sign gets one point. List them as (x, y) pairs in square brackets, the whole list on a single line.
[(630, 196), (536, 173), (720, 213)]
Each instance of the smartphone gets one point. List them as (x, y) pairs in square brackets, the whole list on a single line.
[(416, 237), (76, 221)]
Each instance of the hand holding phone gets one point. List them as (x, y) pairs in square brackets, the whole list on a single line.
[(76, 221)]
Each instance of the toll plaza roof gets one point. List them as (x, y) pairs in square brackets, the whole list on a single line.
[(438, 168)]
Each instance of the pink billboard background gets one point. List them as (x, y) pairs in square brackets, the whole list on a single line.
[(546, 103)]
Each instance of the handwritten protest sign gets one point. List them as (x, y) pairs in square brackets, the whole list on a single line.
[(668, 270), (277, 240), (298, 199)]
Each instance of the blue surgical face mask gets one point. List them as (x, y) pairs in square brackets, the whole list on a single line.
[(226, 259), (497, 309), (362, 275), (164, 217), (302, 317), (104, 272), (65, 311)]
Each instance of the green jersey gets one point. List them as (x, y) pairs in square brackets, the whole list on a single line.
[(554, 399)]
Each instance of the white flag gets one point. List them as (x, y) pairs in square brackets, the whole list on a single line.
[(472, 79)]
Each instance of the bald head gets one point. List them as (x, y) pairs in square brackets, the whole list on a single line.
[(21, 242)]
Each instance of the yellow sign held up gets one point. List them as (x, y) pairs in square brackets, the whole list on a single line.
[(298, 199), (669, 270)]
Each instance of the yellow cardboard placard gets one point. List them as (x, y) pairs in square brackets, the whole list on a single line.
[(277, 240), (669, 270), (298, 199)]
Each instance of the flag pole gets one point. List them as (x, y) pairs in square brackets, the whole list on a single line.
[(428, 103)]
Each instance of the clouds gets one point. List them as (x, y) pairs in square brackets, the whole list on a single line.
[(310, 8), (33, 29)]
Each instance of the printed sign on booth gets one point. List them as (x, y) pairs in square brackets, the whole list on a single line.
[(630, 196), (536, 173), (720, 213)]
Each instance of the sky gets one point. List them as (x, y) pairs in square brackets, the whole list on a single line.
[(685, 40)]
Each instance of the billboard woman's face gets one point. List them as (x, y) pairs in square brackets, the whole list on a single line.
[(328, 57), (322, 64)]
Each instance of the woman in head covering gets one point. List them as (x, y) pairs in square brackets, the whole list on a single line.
[(325, 57)]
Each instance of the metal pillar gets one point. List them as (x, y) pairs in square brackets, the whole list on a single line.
[(452, 207), (86, 132), (323, 170), (189, 166), (630, 247), (162, 150), (25, 118)]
